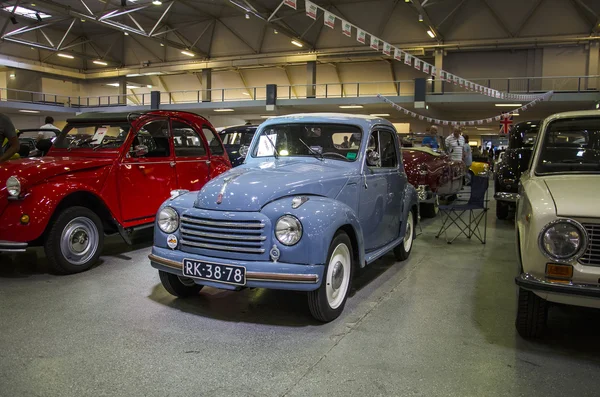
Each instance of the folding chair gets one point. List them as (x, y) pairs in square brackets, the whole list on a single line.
[(476, 206)]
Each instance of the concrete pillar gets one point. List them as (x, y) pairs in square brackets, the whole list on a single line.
[(122, 90), (311, 79), (593, 68), (206, 85), (439, 65)]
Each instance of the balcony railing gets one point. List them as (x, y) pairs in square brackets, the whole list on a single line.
[(576, 84)]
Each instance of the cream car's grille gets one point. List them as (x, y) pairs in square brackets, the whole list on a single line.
[(592, 254)]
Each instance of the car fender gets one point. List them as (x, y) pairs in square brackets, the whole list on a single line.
[(321, 218), (410, 199)]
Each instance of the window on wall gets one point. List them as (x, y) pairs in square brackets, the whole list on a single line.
[(213, 142), (187, 142)]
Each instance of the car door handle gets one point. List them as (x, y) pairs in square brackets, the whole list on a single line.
[(207, 162), (172, 164)]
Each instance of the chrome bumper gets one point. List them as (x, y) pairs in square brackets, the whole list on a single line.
[(11, 246), (250, 276), (529, 282), (504, 196)]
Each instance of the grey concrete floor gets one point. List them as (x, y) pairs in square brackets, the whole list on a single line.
[(439, 324)]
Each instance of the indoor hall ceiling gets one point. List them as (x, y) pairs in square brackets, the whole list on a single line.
[(93, 30)]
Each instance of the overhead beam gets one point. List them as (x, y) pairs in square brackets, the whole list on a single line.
[(66, 34), (451, 13), (12, 14), (529, 15), (387, 15), (498, 19), (419, 8), (164, 14)]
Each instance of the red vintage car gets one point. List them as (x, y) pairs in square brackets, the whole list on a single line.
[(106, 173), (435, 176)]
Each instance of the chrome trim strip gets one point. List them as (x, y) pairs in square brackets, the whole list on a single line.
[(504, 196), (238, 225), (12, 246), (250, 276), (529, 282), (223, 247), (223, 236)]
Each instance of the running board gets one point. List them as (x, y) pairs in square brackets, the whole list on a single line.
[(378, 253)]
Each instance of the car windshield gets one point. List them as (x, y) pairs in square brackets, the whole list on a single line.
[(570, 145), (238, 137), (109, 136), (335, 141)]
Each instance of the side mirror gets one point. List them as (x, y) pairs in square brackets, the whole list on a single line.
[(140, 151), (373, 159)]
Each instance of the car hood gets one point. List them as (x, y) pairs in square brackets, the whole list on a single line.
[(575, 195), (250, 187), (32, 170)]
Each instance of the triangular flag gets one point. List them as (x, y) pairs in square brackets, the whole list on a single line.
[(374, 43), (461, 82), (346, 28), (417, 64), (407, 58), (456, 80), (361, 36), (445, 122), (429, 120), (290, 3), (387, 48), (397, 55), (311, 9), (421, 117), (471, 122), (479, 122), (329, 19)]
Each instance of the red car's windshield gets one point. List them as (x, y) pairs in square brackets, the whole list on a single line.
[(92, 136)]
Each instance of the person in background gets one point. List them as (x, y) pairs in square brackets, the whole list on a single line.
[(430, 139), (50, 126), (346, 143), (455, 143), (468, 159), (8, 138)]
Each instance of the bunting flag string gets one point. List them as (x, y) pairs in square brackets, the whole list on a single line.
[(329, 19), (543, 97)]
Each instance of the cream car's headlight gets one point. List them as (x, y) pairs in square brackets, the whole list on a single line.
[(288, 230), (168, 220), (13, 185), (563, 239)]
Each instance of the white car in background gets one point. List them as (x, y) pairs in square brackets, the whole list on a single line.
[(558, 220)]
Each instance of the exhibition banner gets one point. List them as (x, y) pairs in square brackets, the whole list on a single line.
[(329, 19), (361, 36), (387, 48), (374, 43), (346, 28), (290, 3), (311, 10)]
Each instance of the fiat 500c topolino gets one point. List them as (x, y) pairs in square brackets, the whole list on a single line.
[(317, 197)]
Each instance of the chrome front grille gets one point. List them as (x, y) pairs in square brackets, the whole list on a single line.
[(591, 255), (243, 236)]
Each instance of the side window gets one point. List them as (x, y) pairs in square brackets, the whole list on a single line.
[(187, 141), (213, 142), (387, 149), (155, 137)]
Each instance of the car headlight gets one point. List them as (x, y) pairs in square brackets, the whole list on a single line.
[(13, 185), (288, 230), (563, 239), (168, 220)]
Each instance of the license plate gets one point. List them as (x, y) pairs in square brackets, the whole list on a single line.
[(229, 274)]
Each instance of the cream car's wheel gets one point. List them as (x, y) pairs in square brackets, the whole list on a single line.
[(532, 314), (402, 251), (327, 302)]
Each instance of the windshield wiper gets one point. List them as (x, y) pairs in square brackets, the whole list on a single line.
[(275, 152), (319, 155), (107, 142)]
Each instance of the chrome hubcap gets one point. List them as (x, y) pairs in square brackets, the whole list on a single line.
[(338, 275), (408, 235), (188, 282), (79, 241), (337, 279)]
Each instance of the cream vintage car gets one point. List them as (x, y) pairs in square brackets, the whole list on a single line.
[(558, 220)]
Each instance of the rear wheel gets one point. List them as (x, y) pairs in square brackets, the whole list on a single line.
[(179, 286), (430, 210), (327, 302), (532, 314), (74, 241), (501, 210), (402, 251)]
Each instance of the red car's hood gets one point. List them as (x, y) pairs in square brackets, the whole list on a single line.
[(32, 170)]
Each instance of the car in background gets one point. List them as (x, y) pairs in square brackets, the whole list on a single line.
[(435, 176), (106, 173), (480, 166), (236, 141), (516, 159), (319, 197), (558, 220)]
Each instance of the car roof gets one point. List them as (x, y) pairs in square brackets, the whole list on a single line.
[(576, 113), (364, 121), (119, 117), (239, 127)]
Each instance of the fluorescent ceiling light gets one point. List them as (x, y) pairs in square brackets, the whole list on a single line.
[(189, 54), (431, 34), (128, 85), (133, 75), (351, 106), (26, 12), (152, 73), (224, 110), (98, 62), (66, 56), (266, 117), (380, 115), (245, 93), (508, 105), (149, 86), (297, 43), (28, 111), (157, 2)]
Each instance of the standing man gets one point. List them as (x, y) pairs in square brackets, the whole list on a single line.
[(468, 159), (431, 137), (8, 139), (50, 126), (455, 144)]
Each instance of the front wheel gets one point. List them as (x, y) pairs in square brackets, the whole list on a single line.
[(74, 241), (327, 302), (402, 251), (179, 286), (532, 314)]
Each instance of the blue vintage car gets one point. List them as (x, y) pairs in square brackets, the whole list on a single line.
[(319, 196)]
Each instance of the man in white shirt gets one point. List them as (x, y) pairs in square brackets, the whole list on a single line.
[(49, 125), (455, 144)]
